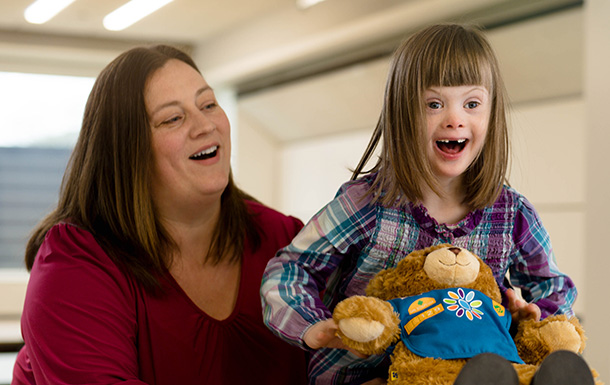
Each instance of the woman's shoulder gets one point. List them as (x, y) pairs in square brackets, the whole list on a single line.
[(71, 264), (272, 220), (70, 246), (67, 234)]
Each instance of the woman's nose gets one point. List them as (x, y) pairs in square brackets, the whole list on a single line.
[(202, 124)]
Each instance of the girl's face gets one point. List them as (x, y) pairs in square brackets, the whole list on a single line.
[(457, 121), (190, 137)]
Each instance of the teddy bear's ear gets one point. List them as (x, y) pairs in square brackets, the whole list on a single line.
[(377, 286), (404, 280)]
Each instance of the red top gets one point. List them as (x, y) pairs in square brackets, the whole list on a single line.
[(85, 321)]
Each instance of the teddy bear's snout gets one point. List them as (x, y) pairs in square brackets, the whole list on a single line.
[(455, 250), (451, 266)]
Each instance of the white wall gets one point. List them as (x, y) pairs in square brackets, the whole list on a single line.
[(549, 156), (256, 165), (311, 171), (12, 293), (597, 186)]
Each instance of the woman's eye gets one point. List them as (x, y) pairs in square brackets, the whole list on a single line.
[(172, 120), (209, 106), (471, 105)]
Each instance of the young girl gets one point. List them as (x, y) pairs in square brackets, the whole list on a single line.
[(439, 179)]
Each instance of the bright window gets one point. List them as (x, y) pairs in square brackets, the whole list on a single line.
[(41, 117), (41, 110)]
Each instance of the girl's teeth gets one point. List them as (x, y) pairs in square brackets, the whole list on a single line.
[(451, 146), (459, 141)]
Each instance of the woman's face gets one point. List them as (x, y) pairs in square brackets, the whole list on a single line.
[(457, 120), (190, 137)]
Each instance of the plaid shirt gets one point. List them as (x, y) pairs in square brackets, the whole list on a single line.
[(351, 239)]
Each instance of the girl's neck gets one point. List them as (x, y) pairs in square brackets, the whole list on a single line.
[(448, 208)]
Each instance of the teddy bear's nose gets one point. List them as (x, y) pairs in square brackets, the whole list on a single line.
[(455, 250)]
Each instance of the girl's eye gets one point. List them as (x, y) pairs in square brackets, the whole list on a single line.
[(471, 105), (434, 105)]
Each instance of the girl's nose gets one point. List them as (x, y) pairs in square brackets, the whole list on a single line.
[(453, 118)]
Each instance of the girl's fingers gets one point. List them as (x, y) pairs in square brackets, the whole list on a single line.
[(321, 334), (520, 309), (324, 335)]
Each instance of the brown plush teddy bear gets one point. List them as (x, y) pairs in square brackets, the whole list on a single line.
[(444, 302)]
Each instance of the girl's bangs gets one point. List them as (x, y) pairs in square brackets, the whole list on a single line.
[(457, 62)]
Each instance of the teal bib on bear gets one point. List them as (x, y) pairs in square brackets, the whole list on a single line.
[(455, 323)]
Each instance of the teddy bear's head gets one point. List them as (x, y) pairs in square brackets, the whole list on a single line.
[(436, 267)]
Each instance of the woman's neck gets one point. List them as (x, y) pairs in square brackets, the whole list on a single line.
[(192, 233)]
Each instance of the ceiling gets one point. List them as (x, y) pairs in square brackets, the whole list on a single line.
[(76, 35), (287, 65), (181, 21), (241, 42)]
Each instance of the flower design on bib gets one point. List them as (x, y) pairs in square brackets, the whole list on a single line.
[(463, 303)]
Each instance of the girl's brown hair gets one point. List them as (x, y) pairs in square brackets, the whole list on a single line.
[(106, 187), (440, 55)]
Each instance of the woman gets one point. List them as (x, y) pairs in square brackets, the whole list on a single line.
[(148, 270)]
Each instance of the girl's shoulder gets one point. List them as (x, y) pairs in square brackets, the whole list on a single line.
[(513, 200), (358, 189), (509, 195)]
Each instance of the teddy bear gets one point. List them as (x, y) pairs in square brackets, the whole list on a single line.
[(439, 305)]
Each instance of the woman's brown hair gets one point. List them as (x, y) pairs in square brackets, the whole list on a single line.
[(440, 55), (106, 186)]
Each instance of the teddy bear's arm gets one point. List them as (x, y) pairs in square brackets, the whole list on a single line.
[(366, 324), (537, 339)]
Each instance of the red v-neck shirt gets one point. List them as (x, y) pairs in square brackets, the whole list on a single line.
[(86, 322)]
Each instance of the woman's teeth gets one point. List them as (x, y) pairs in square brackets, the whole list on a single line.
[(205, 154)]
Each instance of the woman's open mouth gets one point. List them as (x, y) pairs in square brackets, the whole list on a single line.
[(205, 154), (451, 146)]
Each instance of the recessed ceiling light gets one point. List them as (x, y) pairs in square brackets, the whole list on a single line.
[(132, 12), (304, 4), (41, 11)]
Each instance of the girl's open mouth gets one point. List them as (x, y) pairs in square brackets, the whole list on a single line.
[(451, 146)]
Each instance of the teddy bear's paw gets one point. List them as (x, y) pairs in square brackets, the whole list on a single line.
[(537, 339), (366, 324), (360, 329), (561, 335)]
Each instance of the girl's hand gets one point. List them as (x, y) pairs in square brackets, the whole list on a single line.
[(324, 335), (520, 309)]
